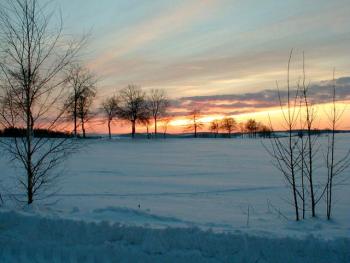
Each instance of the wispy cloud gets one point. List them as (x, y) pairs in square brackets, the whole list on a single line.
[(147, 32), (229, 104)]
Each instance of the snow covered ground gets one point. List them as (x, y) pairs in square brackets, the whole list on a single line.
[(175, 200)]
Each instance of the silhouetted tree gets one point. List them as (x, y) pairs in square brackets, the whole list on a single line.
[(195, 125), (252, 127), (82, 83), (311, 140), (284, 150), (265, 131), (215, 127), (165, 121), (242, 128), (335, 166), (228, 124), (110, 110), (85, 101), (158, 104), (33, 59), (133, 106)]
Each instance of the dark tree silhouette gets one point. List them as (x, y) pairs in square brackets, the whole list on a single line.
[(83, 83), (195, 125), (228, 124), (252, 127), (335, 166), (110, 110), (265, 131), (85, 101), (165, 121), (158, 104), (242, 128), (284, 150), (311, 140), (133, 106), (214, 127)]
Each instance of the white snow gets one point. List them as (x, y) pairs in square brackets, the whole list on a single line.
[(175, 200), (39, 239)]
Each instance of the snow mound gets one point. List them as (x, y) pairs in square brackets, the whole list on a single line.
[(120, 213), (32, 238)]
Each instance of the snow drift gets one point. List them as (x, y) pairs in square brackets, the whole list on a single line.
[(31, 238)]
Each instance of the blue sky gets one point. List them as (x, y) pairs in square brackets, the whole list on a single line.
[(208, 47)]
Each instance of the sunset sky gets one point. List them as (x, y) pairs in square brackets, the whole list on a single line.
[(223, 56)]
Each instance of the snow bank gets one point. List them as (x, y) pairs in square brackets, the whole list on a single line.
[(31, 238)]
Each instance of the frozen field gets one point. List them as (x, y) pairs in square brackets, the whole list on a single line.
[(209, 184)]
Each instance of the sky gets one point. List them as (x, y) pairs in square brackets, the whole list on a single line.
[(223, 56)]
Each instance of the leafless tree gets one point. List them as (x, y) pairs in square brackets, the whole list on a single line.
[(215, 127), (158, 104), (165, 123), (133, 106), (311, 141), (195, 125), (34, 54), (284, 150), (302, 150), (264, 131), (252, 127), (82, 83), (110, 110), (228, 124), (334, 167), (147, 123), (242, 128), (85, 101)]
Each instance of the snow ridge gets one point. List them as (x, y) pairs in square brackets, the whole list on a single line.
[(34, 238)]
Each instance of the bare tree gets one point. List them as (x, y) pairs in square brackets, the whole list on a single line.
[(110, 110), (85, 101), (147, 123), (82, 82), (302, 151), (195, 125), (252, 127), (158, 104), (334, 167), (242, 128), (284, 150), (215, 127), (34, 55), (311, 140), (133, 106), (228, 124), (165, 121), (265, 131)]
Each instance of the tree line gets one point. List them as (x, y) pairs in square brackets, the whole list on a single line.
[(135, 106), (228, 125)]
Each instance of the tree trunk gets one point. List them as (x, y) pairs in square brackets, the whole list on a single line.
[(109, 129), (133, 129), (75, 117), (155, 127), (293, 175), (83, 128), (148, 135), (29, 139), (312, 195), (331, 173), (302, 174)]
